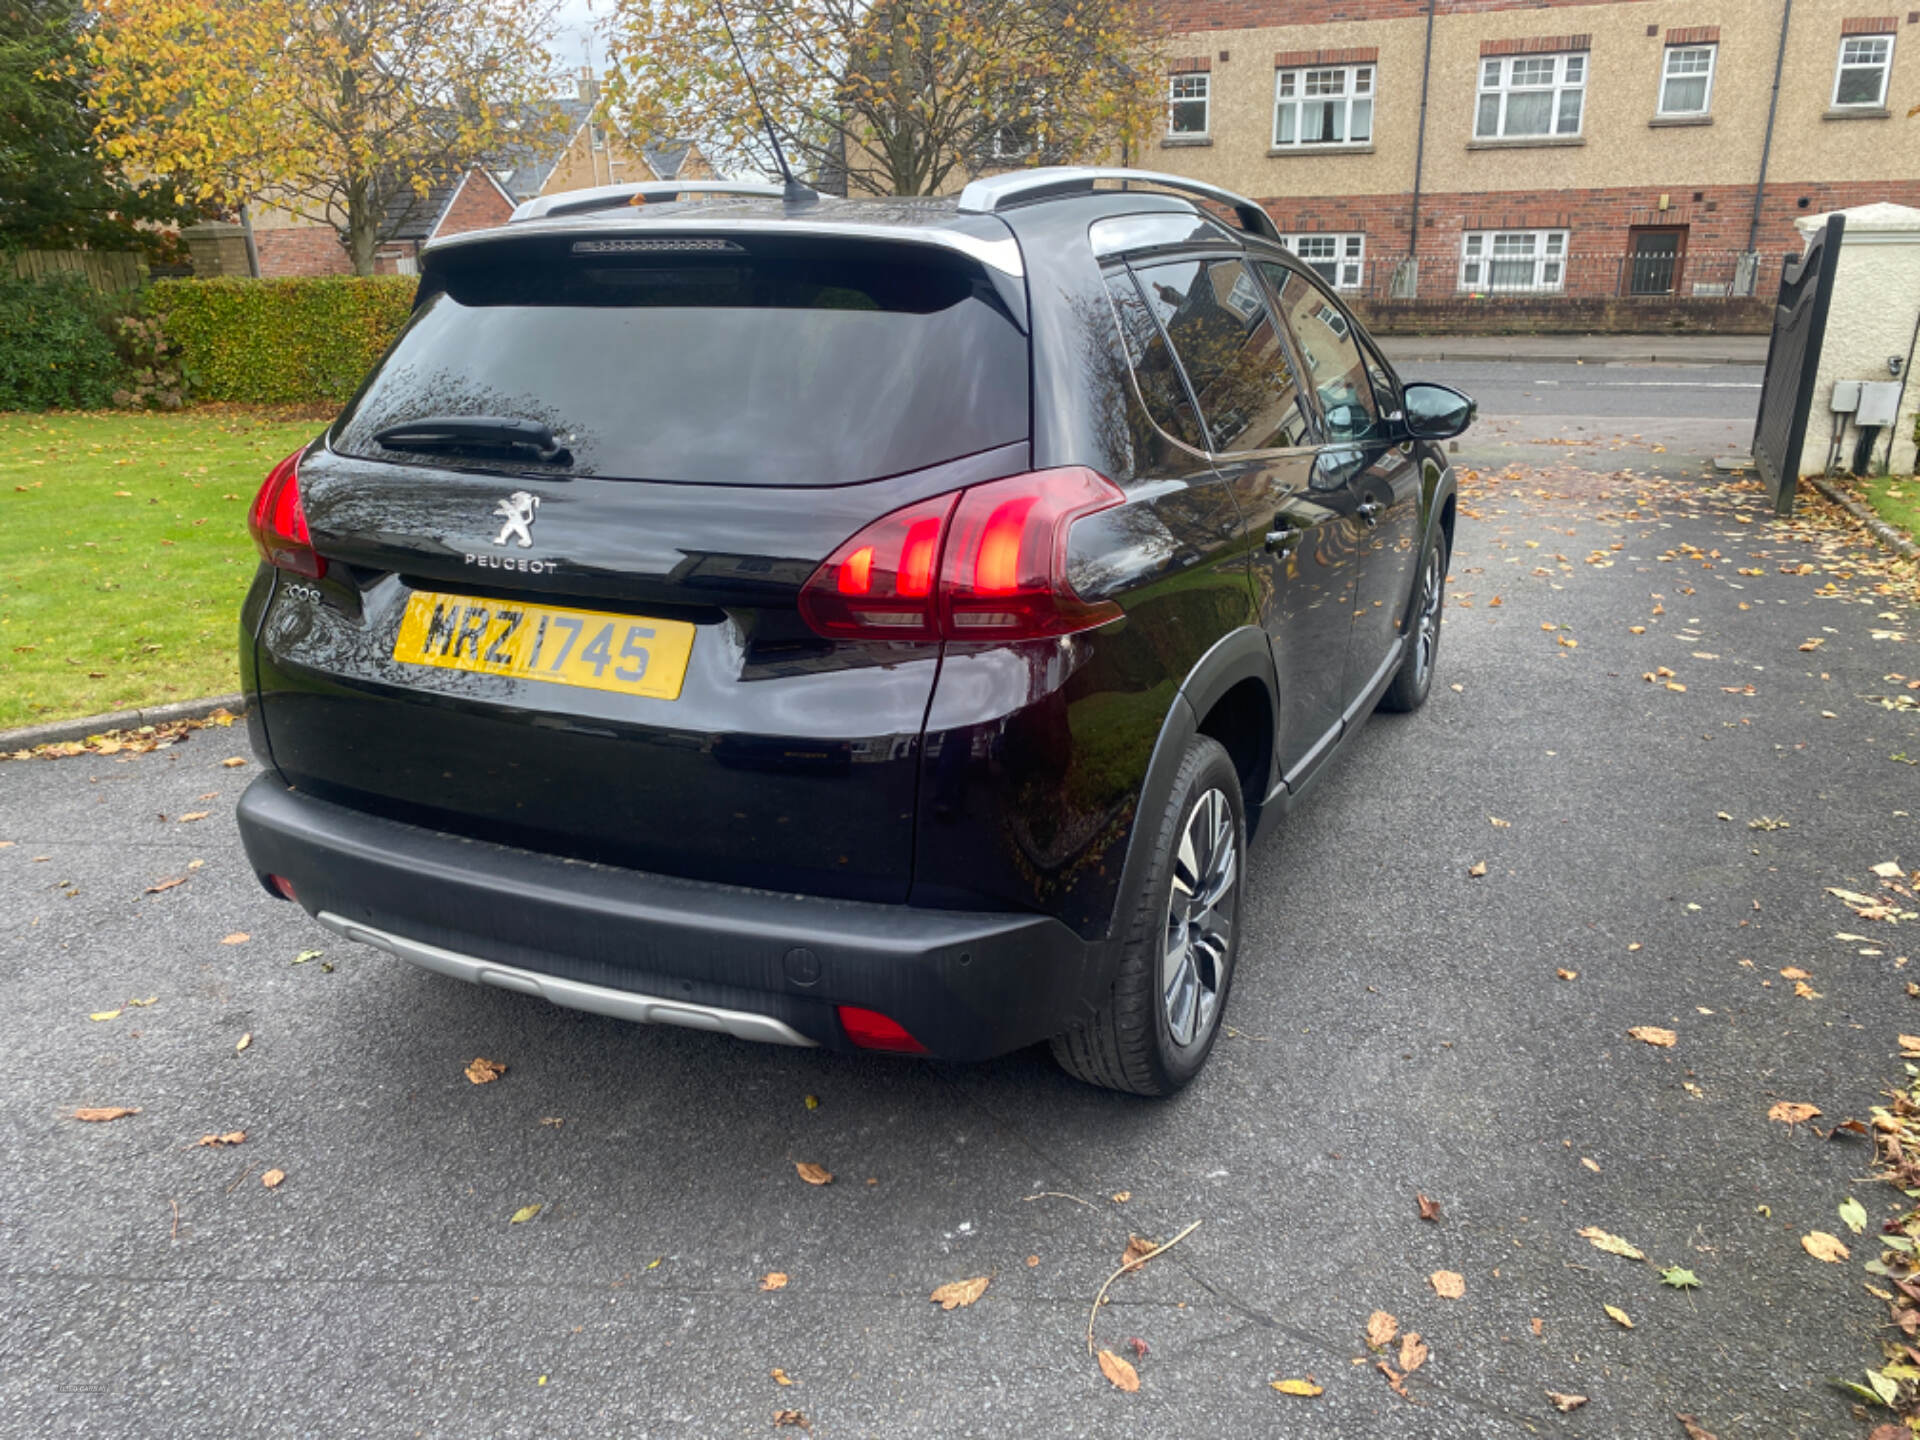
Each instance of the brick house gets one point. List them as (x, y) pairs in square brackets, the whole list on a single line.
[(1565, 147)]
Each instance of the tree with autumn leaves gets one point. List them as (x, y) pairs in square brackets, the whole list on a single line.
[(348, 111), (892, 97)]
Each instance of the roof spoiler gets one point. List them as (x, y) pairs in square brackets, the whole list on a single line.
[(612, 197), (1055, 182)]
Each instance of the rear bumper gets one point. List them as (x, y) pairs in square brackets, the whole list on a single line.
[(751, 963)]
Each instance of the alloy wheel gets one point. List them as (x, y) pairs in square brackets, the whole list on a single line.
[(1199, 931)]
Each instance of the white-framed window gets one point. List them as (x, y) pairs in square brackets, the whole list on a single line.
[(1187, 103), (1686, 82), (1326, 105), (1340, 260), (1507, 260), (1861, 77), (1531, 95)]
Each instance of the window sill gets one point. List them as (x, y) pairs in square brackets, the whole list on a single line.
[(1180, 142), (1527, 142), (1859, 112), (1664, 122), (1305, 152)]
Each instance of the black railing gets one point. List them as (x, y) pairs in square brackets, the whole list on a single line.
[(1693, 275)]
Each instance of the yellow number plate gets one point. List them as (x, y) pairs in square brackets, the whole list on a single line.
[(589, 648)]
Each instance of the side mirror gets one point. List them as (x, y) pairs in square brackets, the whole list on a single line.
[(1437, 412)]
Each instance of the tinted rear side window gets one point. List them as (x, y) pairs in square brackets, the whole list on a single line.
[(735, 368), (1217, 318)]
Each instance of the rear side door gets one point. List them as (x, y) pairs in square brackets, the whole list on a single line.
[(1360, 454), (1261, 434)]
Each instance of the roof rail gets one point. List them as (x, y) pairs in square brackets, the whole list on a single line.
[(610, 197), (1052, 182)]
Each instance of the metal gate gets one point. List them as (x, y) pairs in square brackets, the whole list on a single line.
[(1793, 362)]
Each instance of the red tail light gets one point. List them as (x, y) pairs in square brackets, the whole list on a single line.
[(278, 521), (871, 1030), (989, 563)]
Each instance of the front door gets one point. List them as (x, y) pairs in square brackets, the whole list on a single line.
[(1655, 257), (1358, 403)]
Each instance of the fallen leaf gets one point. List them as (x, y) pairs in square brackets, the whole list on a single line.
[(1592, 1165), (1612, 1244), (1564, 1403), (1887, 870), (780, 1377), (773, 1280), (1138, 1346), (104, 1015), (232, 1137), (1618, 1316), (1696, 1431), (812, 1102), (1791, 1112), (101, 1114), (1429, 1209), (1805, 991), (524, 1214), (1568, 974), (783, 1418), (1794, 972), (245, 1041), (193, 815), (959, 1293), (1498, 823), (1854, 1214), (1394, 1380), (1298, 1387), (1653, 1035), (482, 1071), (1477, 869), (1413, 1352), (234, 762), (239, 937), (273, 1178), (1123, 1375), (1120, 1197), (305, 955), (1679, 1278), (1447, 1284), (1823, 1246), (1136, 1252), (1381, 1328), (1538, 1324), (165, 885), (1910, 1043), (813, 1174), (1032, 1261)]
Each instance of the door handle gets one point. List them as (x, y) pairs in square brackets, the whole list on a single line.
[(1371, 511), (1281, 541)]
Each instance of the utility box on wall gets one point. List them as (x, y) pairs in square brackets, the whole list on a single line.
[(1871, 327)]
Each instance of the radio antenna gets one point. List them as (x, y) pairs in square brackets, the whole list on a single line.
[(794, 193)]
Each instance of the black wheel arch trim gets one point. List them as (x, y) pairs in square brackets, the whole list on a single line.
[(1242, 654)]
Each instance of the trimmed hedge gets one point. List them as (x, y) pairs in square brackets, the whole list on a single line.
[(281, 342), (55, 352)]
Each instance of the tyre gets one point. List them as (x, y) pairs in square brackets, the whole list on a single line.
[(1182, 939), (1414, 678)]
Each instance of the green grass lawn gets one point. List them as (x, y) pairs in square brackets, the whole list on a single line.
[(1896, 500), (124, 555)]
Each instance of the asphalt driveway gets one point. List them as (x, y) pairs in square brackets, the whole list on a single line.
[(1399, 1028)]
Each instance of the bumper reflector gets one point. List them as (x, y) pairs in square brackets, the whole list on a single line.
[(871, 1030), (281, 886)]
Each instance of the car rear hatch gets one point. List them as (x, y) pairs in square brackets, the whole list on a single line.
[(634, 448)]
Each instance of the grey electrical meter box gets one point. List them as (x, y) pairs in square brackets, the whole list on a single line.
[(1879, 403)]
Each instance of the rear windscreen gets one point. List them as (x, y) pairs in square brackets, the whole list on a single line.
[(730, 368)]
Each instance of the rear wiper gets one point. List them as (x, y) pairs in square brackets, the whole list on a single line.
[(483, 433)]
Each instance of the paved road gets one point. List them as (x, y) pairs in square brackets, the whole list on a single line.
[(1398, 1029)]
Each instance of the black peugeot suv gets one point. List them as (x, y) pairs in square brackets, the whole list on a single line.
[(871, 624)]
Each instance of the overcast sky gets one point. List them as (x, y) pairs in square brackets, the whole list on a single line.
[(576, 22)]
